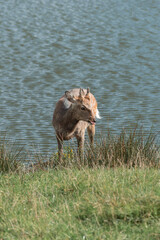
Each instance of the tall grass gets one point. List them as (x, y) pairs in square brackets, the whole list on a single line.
[(131, 148), (11, 156)]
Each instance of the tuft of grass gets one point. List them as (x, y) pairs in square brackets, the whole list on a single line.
[(44, 162), (11, 156), (131, 148)]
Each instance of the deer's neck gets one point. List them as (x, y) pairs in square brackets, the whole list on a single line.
[(70, 121)]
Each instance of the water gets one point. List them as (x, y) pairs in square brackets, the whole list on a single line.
[(49, 46)]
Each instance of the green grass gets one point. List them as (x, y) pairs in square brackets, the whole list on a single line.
[(112, 193), (91, 203)]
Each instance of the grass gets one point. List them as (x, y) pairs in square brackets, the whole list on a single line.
[(131, 148), (113, 193), (99, 203), (11, 156)]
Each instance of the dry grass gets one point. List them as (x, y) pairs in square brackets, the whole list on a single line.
[(131, 148), (11, 156)]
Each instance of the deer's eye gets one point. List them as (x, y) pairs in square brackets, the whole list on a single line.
[(83, 108)]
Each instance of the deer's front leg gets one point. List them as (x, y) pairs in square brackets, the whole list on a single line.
[(60, 149), (91, 133), (80, 142)]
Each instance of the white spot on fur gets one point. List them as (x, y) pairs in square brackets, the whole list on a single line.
[(97, 114)]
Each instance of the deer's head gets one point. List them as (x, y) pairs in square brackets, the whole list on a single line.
[(82, 106)]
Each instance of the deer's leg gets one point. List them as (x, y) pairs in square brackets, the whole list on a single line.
[(60, 149), (80, 141), (91, 133)]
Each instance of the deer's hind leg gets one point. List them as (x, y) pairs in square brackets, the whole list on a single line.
[(91, 133)]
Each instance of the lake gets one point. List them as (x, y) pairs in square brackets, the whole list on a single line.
[(50, 46)]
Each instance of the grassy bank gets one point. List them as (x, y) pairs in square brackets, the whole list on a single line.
[(99, 203), (112, 193)]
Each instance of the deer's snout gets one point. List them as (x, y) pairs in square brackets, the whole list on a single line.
[(92, 121)]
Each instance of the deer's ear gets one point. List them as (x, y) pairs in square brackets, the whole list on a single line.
[(88, 94), (69, 97), (88, 91), (81, 93)]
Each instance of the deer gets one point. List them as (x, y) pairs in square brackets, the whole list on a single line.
[(75, 111)]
